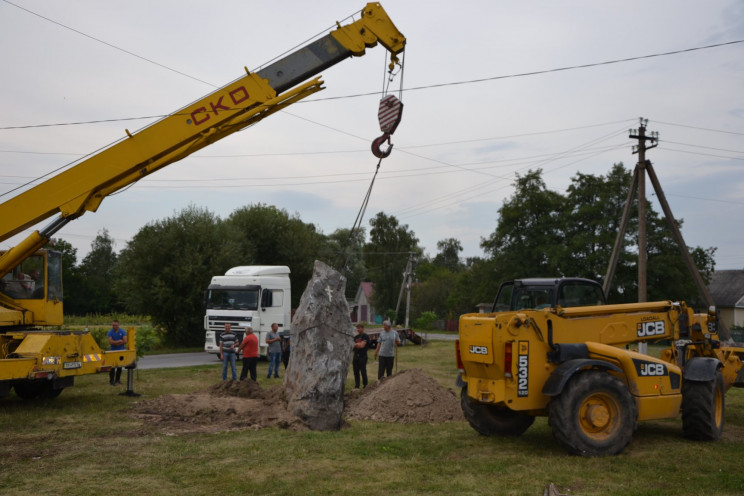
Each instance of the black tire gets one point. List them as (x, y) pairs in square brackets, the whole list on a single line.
[(49, 393), (703, 408), (491, 420), (595, 415), (29, 390)]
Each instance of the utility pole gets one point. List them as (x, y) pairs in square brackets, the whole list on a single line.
[(406, 285), (639, 182), (640, 149)]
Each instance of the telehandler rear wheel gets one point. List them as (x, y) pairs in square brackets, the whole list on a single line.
[(594, 415), (702, 409), (491, 420)]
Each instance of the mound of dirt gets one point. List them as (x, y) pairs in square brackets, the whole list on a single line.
[(410, 396), (407, 397)]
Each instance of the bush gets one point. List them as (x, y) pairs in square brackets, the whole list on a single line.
[(146, 338), (426, 320)]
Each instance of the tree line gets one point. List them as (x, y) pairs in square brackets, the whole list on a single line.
[(165, 267)]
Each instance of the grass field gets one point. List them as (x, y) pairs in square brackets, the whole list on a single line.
[(83, 442)]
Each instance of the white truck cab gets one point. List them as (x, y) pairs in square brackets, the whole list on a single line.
[(251, 295)]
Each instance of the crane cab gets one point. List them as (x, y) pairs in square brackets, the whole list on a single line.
[(31, 293)]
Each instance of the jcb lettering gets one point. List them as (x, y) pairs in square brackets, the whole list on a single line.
[(479, 350), (653, 369), (646, 329)]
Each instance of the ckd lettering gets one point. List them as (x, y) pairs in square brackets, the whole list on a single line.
[(234, 97)]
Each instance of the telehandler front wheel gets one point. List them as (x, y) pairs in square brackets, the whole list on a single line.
[(595, 415), (491, 420), (702, 409)]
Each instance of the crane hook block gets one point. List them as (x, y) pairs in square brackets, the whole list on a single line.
[(389, 115)]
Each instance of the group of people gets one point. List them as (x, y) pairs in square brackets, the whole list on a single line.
[(279, 352), (384, 353), (229, 349)]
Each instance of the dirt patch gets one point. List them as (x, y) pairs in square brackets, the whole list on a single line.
[(410, 396), (407, 397)]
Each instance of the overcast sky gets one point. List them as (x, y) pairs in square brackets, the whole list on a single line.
[(473, 119)]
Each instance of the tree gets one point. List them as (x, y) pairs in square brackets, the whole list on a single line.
[(165, 268), (344, 251), (449, 254), (97, 271), (266, 235), (386, 255), (432, 294), (478, 283), (593, 211), (527, 239)]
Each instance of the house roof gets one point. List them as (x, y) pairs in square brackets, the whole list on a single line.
[(727, 287), (368, 288)]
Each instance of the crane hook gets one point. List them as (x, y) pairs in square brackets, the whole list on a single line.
[(377, 143), (389, 115)]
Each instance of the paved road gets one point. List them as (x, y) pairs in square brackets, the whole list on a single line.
[(177, 360), (203, 358)]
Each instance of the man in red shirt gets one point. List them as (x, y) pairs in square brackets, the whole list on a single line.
[(249, 347)]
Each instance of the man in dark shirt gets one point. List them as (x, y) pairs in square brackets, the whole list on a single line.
[(361, 343)]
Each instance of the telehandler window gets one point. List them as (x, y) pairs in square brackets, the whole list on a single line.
[(579, 294)]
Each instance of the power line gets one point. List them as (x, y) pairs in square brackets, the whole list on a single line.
[(546, 71), (110, 45), (701, 128), (414, 88)]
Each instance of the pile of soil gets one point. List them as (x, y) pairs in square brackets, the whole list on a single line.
[(407, 397), (410, 396)]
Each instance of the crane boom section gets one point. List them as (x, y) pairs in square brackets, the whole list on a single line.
[(222, 112)]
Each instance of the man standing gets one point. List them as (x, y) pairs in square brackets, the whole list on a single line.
[(275, 350), (361, 343), (249, 347), (386, 344), (228, 342), (117, 339)]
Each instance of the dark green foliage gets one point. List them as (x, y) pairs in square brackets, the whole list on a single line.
[(527, 240), (345, 252), (386, 255), (166, 267), (97, 273), (266, 235)]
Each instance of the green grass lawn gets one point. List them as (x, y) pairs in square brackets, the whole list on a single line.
[(83, 442)]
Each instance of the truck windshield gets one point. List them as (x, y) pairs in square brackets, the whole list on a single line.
[(233, 299)]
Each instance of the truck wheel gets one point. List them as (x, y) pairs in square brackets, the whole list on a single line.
[(594, 415), (491, 420), (702, 409)]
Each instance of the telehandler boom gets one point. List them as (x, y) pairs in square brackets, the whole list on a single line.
[(43, 362), (553, 347)]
